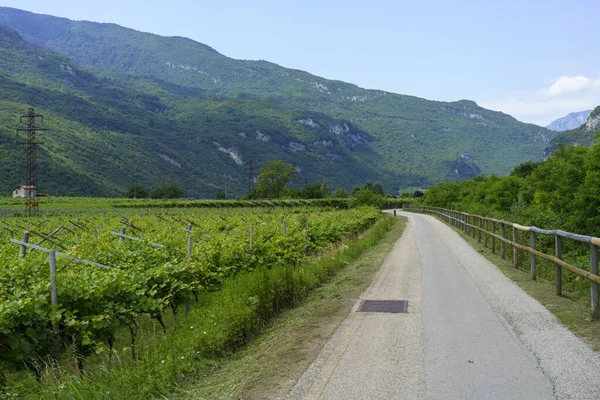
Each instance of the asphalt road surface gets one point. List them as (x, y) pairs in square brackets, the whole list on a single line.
[(469, 333)]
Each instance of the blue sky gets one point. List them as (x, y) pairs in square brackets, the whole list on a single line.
[(536, 60)]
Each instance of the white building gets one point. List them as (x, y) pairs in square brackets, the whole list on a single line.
[(24, 191)]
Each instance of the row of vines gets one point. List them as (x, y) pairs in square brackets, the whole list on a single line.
[(179, 254)]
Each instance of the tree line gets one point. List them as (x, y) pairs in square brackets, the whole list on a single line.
[(273, 182), (561, 192)]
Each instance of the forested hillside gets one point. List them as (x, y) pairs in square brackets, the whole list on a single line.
[(125, 105)]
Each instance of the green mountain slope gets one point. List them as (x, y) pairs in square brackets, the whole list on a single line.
[(209, 113)]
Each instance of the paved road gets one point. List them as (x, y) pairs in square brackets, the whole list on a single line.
[(469, 333)]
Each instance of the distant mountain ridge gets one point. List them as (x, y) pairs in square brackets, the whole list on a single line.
[(584, 135), (140, 103), (570, 121)]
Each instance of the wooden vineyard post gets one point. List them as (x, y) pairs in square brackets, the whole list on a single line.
[(305, 245), (189, 243), (558, 268), (532, 256), (594, 270), (123, 229), (23, 248), (54, 297), (515, 249)]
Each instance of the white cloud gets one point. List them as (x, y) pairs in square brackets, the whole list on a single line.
[(543, 106), (565, 85)]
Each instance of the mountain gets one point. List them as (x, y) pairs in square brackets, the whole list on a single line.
[(123, 105), (585, 135), (570, 121)]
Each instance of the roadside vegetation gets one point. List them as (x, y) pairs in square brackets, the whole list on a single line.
[(558, 193)]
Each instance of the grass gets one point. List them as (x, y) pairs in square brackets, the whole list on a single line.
[(270, 365), (572, 308)]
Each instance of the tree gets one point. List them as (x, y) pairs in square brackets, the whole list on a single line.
[(220, 195), (312, 192), (378, 188), (136, 191), (273, 177), (167, 191), (340, 193), (525, 169)]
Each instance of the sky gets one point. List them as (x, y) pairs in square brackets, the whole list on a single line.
[(536, 60)]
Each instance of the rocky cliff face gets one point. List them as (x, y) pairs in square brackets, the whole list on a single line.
[(593, 122), (571, 121)]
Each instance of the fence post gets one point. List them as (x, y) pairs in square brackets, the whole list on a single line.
[(515, 249), (123, 229), (493, 237), (394, 214), (594, 270), (532, 256), (485, 233), (23, 249), (479, 230), (558, 268), (474, 223), (502, 244), (54, 297)]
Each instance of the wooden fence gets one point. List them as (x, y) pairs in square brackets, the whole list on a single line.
[(486, 229)]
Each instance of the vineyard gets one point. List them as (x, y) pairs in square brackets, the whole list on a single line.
[(73, 283)]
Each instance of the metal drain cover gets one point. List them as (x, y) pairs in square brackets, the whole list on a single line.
[(388, 306)]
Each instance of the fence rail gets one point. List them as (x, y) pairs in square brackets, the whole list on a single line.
[(477, 225)]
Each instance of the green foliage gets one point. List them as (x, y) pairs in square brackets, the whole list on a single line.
[(166, 191), (368, 197), (560, 192), (525, 169), (274, 176), (136, 191), (340, 193), (239, 287), (314, 191), (220, 195)]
